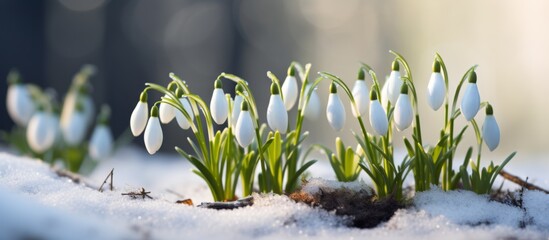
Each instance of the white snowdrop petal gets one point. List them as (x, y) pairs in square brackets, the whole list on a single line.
[(166, 112), (101, 142), (312, 109), (470, 103), (361, 96), (404, 114), (69, 106), (89, 109), (19, 104), (277, 117), (219, 106), (236, 109), (138, 119), (290, 92), (385, 93), (393, 89), (153, 135), (335, 112), (41, 131), (378, 118), (75, 129), (436, 91), (180, 117), (490, 132), (244, 129)]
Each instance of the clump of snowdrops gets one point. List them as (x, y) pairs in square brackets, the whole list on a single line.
[(53, 132), (224, 157)]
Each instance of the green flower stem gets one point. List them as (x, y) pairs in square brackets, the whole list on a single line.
[(447, 167)]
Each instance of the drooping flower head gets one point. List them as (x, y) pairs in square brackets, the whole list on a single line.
[(335, 111), (290, 89), (361, 95), (436, 89), (74, 130), (237, 104), (378, 117), (140, 114), (470, 103), (244, 130), (153, 133), (219, 106), (101, 142), (395, 83), (166, 112), (180, 117), (404, 114), (490, 129), (19, 101), (277, 117), (42, 131), (311, 110)]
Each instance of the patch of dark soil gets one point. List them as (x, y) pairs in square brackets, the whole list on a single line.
[(364, 209)]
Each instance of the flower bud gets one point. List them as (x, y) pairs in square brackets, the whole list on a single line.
[(277, 117), (237, 103), (290, 89), (470, 103), (153, 133), (335, 111), (360, 94), (404, 114), (244, 130), (219, 106), (180, 117), (42, 131), (75, 128), (138, 119), (378, 117), (101, 142), (166, 112), (395, 83), (19, 102), (490, 129), (436, 90), (311, 110)]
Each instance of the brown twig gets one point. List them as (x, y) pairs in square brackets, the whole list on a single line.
[(72, 176), (111, 175), (521, 182), (142, 193)]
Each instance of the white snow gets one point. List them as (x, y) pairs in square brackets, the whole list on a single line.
[(36, 203)]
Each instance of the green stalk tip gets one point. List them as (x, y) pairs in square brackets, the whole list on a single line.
[(274, 89), (244, 106), (489, 110), (14, 77), (291, 70), (473, 77), (143, 97), (361, 75), (154, 111), (179, 92), (239, 88), (373, 94), (404, 88), (218, 83), (395, 66), (436, 66), (333, 88)]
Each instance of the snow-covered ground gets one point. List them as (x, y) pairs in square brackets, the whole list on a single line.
[(35, 203)]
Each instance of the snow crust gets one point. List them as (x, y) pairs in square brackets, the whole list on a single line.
[(36, 203)]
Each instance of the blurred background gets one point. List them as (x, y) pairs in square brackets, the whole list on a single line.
[(133, 42)]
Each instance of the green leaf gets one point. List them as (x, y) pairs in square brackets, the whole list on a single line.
[(292, 181)]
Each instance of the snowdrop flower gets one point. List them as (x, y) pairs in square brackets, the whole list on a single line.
[(378, 117), (138, 119), (360, 94), (166, 112), (153, 133), (42, 131), (470, 103), (335, 111), (277, 117), (436, 89), (290, 89), (244, 130), (219, 105), (237, 103), (101, 140), (18, 100), (75, 128), (312, 110), (180, 117), (73, 97), (490, 129), (395, 83), (404, 114)]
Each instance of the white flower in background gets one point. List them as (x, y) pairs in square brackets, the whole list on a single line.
[(166, 112), (19, 100), (277, 117), (335, 111), (378, 117), (75, 128), (153, 133), (404, 114), (138, 119), (360, 94), (470, 102), (101, 142), (181, 119), (79, 94), (244, 130), (219, 106), (395, 83), (237, 104), (436, 89), (290, 89), (42, 131), (312, 108), (490, 129)]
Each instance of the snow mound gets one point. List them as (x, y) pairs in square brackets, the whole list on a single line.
[(314, 185)]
